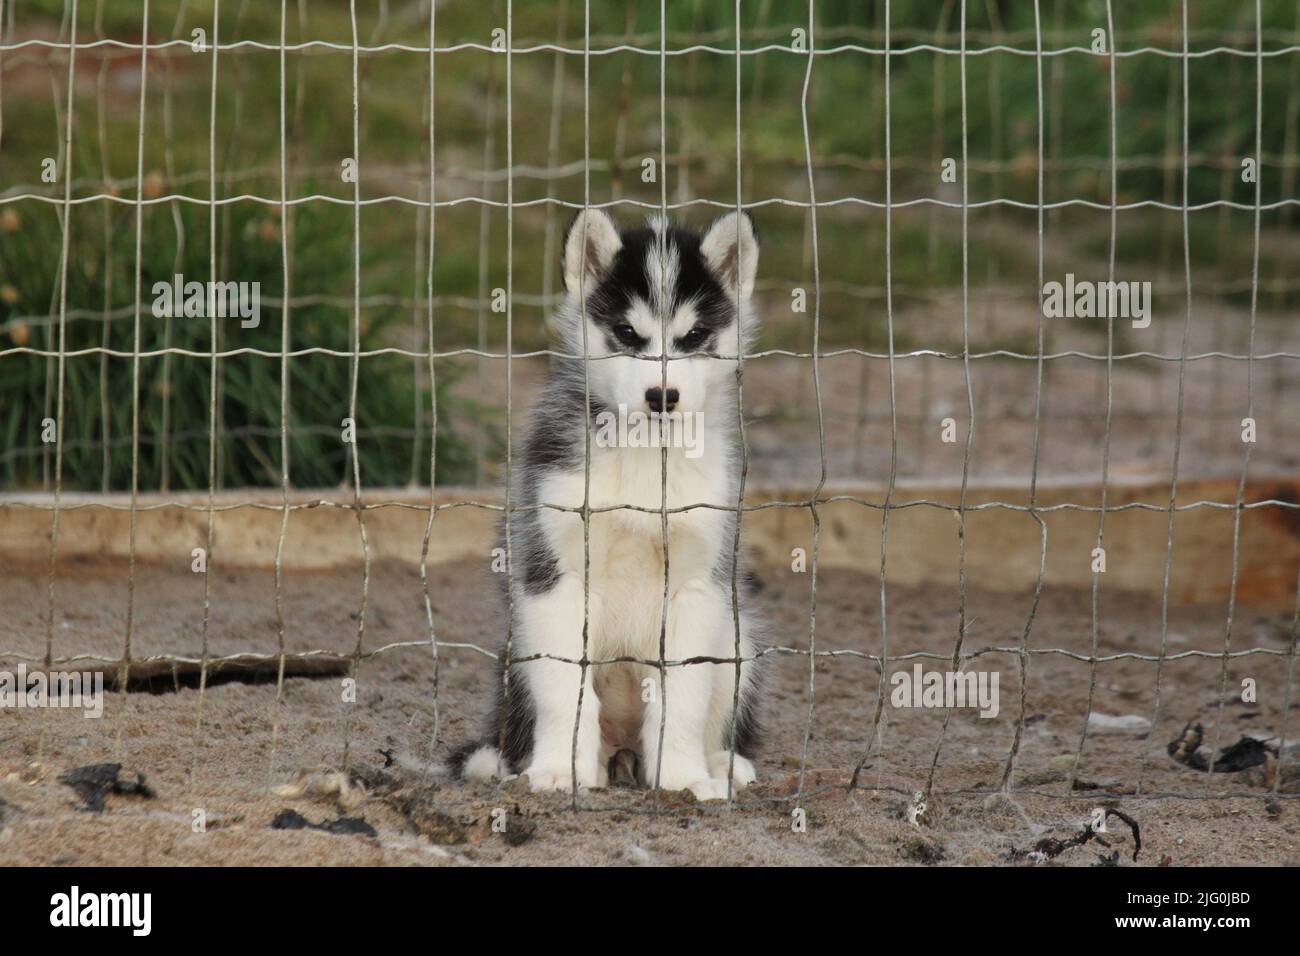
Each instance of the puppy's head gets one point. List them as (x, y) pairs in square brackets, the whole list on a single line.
[(658, 289)]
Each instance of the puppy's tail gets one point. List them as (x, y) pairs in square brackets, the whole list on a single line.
[(478, 761)]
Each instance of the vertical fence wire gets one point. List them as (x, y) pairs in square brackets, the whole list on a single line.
[(214, 385), (970, 400), (1169, 160), (661, 319), (624, 104), (68, 28), (876, 738), (817, 387), (101, 130), (418, 349), (1227, 178), (484, 257), (510, 273), (1023, 654), (178, 226), (861, 413), (937, 143), (507, 653), (510, 268), (1178, 419), (553, 153), (743, 477), (124, 671), (686, 125), (993, 216), (1250, 386), (435, 713), (583, 269), (1099, 555), (354, 453), (63, 347), (286, 244)]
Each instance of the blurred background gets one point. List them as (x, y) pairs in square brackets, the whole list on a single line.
[(236, 126)]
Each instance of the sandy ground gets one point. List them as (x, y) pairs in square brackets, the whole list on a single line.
[(224, 758)]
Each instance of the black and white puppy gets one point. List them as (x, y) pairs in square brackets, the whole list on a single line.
[(636, 292)]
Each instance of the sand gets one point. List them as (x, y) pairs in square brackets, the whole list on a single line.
[(227, 764)]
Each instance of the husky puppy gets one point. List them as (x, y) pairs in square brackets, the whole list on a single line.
[(637, 292)]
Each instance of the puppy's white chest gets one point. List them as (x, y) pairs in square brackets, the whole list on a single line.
[(622, 553)]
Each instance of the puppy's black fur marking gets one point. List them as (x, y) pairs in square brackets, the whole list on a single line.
[(626, 280)]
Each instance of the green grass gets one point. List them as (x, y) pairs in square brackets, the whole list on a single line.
[(845, 117), (175, 392)]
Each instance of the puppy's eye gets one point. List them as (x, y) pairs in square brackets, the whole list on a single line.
[(626, 334), (695, 337)]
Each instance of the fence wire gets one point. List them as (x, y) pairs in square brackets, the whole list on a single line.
[(426, 303)]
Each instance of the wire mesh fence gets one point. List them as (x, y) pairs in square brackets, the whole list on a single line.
[(932, 263)]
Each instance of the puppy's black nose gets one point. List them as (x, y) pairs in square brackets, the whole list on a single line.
[(654, 397)]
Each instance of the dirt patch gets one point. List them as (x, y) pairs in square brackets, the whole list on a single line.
[(233, 759)]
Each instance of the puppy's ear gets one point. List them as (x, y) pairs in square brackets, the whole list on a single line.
[(589, 246), (731, 250)]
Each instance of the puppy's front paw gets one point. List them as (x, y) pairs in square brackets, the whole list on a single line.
[(742, 771), (542, 779), (714, 788)]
